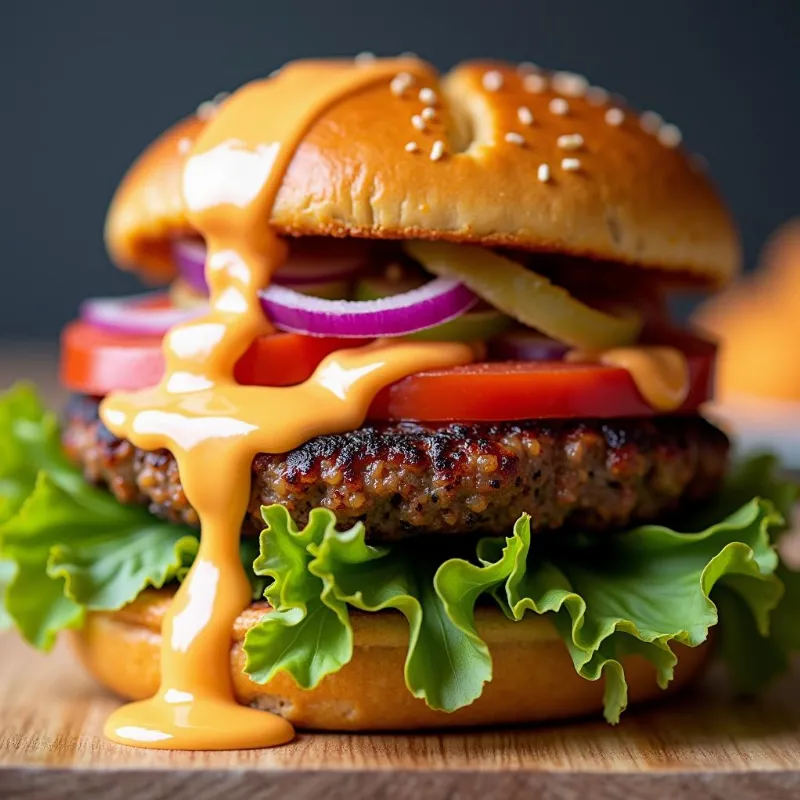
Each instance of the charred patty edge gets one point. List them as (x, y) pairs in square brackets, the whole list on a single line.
[(405, 479)]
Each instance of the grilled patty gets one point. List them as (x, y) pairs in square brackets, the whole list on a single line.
[(405, 478)]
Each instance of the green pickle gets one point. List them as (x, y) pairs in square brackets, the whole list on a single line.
[(526, 296)]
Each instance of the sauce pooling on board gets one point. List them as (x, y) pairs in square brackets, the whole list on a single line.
[(213, 426)]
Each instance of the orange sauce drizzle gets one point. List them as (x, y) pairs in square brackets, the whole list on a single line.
[(214, 426), (661, 374)]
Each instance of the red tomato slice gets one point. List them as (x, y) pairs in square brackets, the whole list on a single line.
[(96, 362), (514, 390)]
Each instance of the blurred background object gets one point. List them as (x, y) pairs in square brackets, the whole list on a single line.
[(757, 322), (88, 85)]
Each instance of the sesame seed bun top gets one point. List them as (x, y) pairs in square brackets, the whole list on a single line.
[(490, 153)]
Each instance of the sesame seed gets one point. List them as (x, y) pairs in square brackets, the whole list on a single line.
[(412, 147), (570, 141), (650, 121), (275, 73), (543, 173), (437, 150), (559, 106), (570, 164), (492, 80), (570, 84), (698, 162), (219, 97), (418, 122), (524, 115), (534, 83), (184, 145), (614, 116), (364, 57), (206, 110), (428, 96), (408, 54), (670, 135), (401, 82), (525, 67), (428, 113), (512, 137), (597, 95)]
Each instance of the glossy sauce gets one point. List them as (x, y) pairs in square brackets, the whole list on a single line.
[(661, 374), (213, 426)]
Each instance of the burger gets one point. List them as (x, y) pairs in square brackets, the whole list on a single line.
[(409, 439)]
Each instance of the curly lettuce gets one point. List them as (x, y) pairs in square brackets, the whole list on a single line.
[(67, 547), (317, 572), (637, 592)]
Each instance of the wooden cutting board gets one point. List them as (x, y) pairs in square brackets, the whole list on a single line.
[(704, 744)]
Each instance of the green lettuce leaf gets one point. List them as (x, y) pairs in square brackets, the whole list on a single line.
[(753, 660), (29, 442), (447, 663), (636, 592), (65, 546), (317, 572), (753, 657), (77, 549), (643, 590), (307, 634)]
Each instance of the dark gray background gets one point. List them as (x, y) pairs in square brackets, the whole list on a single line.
[(86, 85)]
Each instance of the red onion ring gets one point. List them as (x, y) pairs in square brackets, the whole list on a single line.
[(137, 315), (434, 303), (299, 270)]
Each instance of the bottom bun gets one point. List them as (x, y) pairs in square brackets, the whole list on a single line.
[(534, 679)]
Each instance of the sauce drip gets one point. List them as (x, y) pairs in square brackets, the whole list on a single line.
[(213, 426), (661, 374)]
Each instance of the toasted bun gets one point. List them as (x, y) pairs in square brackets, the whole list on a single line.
[(636, 197), (534, 679)]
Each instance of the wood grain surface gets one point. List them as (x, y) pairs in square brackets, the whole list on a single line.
[(700, 745)]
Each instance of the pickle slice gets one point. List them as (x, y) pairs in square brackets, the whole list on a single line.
[(525, 295)]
